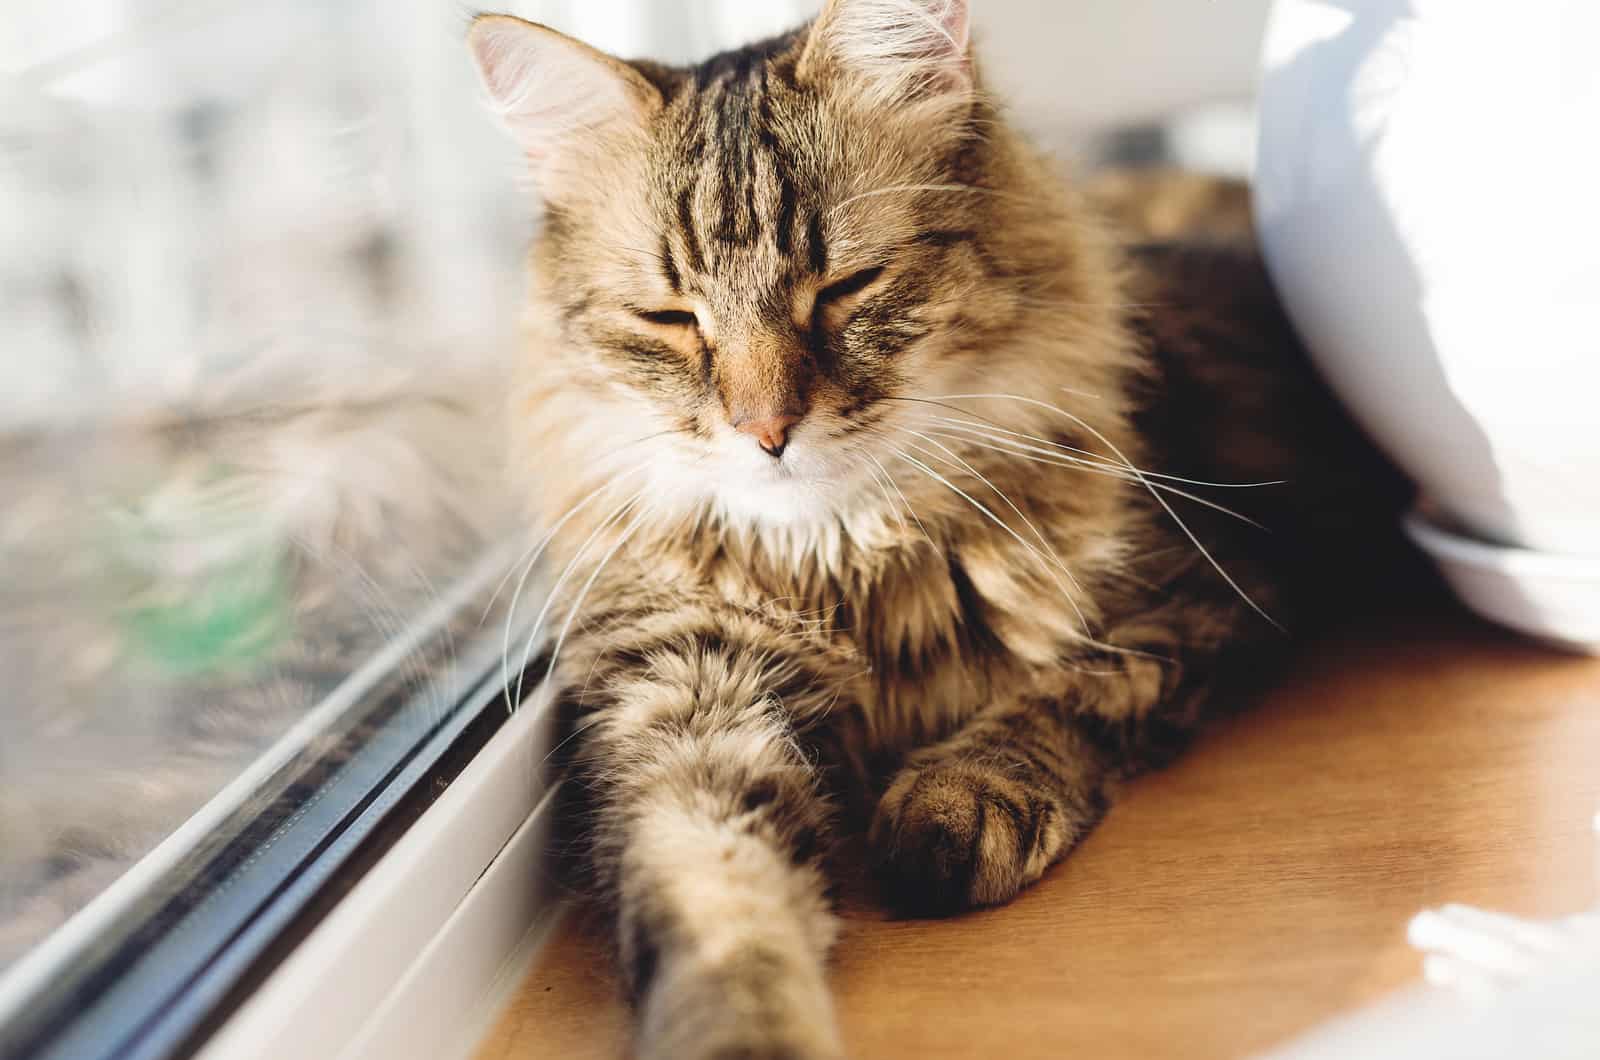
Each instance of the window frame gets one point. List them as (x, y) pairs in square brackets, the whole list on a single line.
[(421, 954)]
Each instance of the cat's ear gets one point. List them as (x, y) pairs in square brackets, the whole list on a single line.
[(557, 96), (895, 51)]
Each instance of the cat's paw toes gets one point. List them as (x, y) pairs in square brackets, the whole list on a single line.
[(758, 1046), (953, 835), (744, 1005), (746, 1043), (767, 1050)]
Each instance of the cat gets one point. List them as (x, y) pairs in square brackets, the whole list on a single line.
[(884, 484)]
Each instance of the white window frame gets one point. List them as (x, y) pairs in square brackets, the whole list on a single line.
[(417, 959)]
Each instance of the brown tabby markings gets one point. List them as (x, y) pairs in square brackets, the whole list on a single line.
[(952, 609)]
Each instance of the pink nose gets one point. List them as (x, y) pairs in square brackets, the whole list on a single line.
[(771, 433)]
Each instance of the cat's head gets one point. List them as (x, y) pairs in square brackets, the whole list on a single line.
[(761, 265)]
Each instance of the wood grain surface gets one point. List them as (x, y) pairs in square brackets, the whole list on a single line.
[(1254, 889)]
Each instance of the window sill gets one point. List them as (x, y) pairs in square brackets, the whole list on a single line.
[(411, 961)]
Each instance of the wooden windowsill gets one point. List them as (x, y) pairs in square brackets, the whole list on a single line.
[(1256, 888)]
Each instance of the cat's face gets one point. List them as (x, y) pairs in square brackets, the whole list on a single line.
[(762, 264)]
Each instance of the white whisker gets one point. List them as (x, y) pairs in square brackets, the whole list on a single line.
[(887, 499), (986, 426), (907, 501), (525, 557), (898, 188), (584, 592), (1001, 523), (540, 546), (1021, 452), (1234, 585), (566, 573), (1001, 494)]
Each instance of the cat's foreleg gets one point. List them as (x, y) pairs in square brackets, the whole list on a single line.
[(707, 826)]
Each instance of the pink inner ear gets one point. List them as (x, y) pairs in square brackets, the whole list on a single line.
[(500, 62), (957, 23), (548, 90)]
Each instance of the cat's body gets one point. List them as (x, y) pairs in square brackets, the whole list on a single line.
[(835, 396)]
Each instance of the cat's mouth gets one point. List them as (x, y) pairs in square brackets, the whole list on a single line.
[(775, 475), (805, 484), (781, 469)]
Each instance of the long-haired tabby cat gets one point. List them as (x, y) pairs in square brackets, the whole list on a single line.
[(883, 487)]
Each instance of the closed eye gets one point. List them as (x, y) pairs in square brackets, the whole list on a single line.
[(850, 285), (668, 318)]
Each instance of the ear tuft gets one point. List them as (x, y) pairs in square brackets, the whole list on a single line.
[(555, 95), (899, 50)]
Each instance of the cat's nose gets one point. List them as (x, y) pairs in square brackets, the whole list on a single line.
[(770, 432)]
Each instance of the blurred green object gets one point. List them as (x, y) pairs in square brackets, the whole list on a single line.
[(231, 618), (206, 574)]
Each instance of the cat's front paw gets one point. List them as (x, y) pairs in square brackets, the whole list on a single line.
[(749, 1003), (955, 834)]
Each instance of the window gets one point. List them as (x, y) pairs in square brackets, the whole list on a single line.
[(259, 267)]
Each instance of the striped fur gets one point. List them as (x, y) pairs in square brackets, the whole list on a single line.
[(953, 611)]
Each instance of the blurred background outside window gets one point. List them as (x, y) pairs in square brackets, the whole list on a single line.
[(258, 273)]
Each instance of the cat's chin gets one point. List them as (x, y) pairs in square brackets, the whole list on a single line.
[(794, 503), (781, 499), (812, 491)]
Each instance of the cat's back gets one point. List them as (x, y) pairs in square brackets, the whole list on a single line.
[(1231, 394)]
